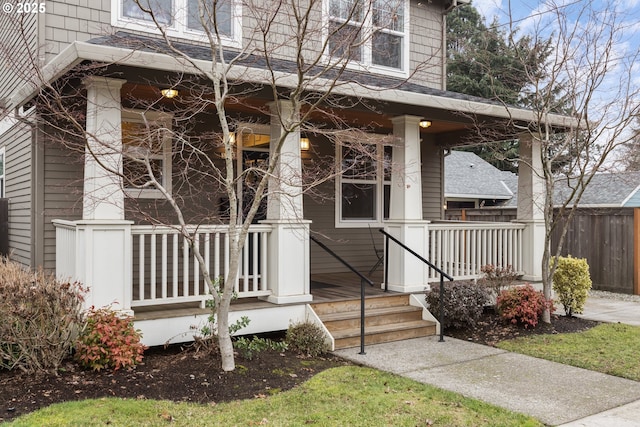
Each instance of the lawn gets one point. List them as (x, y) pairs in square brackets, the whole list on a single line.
[(350, 395), (608, 348)]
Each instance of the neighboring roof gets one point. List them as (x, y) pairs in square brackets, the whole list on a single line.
[(469, 176), (466, 175)]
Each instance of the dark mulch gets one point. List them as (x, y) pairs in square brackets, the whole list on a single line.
[(189, 376), (491, 329)]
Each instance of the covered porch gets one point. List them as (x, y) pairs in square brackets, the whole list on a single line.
[(151, 270)]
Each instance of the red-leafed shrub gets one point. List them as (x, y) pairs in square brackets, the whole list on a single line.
[(108, 340), (523, 305)]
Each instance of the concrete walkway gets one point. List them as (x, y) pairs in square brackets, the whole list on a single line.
[(555, 394)]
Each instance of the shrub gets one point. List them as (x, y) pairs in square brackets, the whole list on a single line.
[(463, 303), (39, 318), (496, 278), (108, 340), (571, 281), (250, 347), (523, 305), (306, 339)]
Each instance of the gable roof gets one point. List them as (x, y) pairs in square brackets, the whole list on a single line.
[(469, 176)]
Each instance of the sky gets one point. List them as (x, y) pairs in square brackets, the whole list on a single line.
[(623, 68)]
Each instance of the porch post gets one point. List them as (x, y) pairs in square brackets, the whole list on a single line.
[(531, 197), (406, 272), (103, 237), (288, 269)]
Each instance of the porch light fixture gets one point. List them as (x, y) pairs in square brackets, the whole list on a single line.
[(169, 93), (305, 144), (424, 123)]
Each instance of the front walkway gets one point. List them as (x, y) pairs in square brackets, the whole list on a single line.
[(555, 394)]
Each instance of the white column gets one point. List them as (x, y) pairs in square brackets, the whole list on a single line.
[(288, 268), (531, 198), (103, 193), (406, 272), (103, 237)]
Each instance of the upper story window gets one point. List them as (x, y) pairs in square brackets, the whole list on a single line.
[(181, 18), (363, 188), (146, 144), (372, 34)]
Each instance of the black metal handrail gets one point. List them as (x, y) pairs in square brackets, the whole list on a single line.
[(421, 258), (363, 280)]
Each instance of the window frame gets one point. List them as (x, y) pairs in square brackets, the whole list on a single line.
[(178, 27), (136, 116), (381, 182), (368, 28)]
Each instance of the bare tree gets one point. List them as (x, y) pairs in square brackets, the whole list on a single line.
[(288, 55), (593, 76)]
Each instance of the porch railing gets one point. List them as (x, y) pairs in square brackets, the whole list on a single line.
[(166, 271), (462, 248)]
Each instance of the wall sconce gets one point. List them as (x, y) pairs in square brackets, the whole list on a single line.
[(305, 144), (169, 93), (424, 123)]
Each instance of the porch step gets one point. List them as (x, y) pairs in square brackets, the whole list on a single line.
[(387, 318)]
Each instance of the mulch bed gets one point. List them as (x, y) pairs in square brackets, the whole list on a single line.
[(189, 376)]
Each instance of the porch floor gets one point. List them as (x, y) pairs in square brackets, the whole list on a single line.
[(324, 287)]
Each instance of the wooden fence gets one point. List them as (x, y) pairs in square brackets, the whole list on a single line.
[(608, 238)]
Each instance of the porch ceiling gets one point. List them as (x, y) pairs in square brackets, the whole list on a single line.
[(378, 117)]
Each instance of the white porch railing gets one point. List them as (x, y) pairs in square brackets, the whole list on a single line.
[(166, 271), (65, 248), (462, 248)]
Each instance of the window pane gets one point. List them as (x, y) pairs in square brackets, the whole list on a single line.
[(358, 164), (344, 42), (387, 201), (350, 10), (222, 17), (162, 10), (136, 174), (388, 14), (358, 201), (387, 50), (387, 160)]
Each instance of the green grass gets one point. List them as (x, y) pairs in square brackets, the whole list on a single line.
[(609, 348), (345, 396)]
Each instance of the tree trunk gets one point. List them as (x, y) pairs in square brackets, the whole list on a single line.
[(224, 337)]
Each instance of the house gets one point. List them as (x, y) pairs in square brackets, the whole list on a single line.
[(602, 229), (70, 213), (471, 182)]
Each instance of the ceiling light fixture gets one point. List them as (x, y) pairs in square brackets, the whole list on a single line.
[(169, 93), (424, 123)]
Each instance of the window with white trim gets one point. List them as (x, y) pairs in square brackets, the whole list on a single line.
[(363, 188), (370, 33), (181, 18), (2, 173), (146, 144)]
